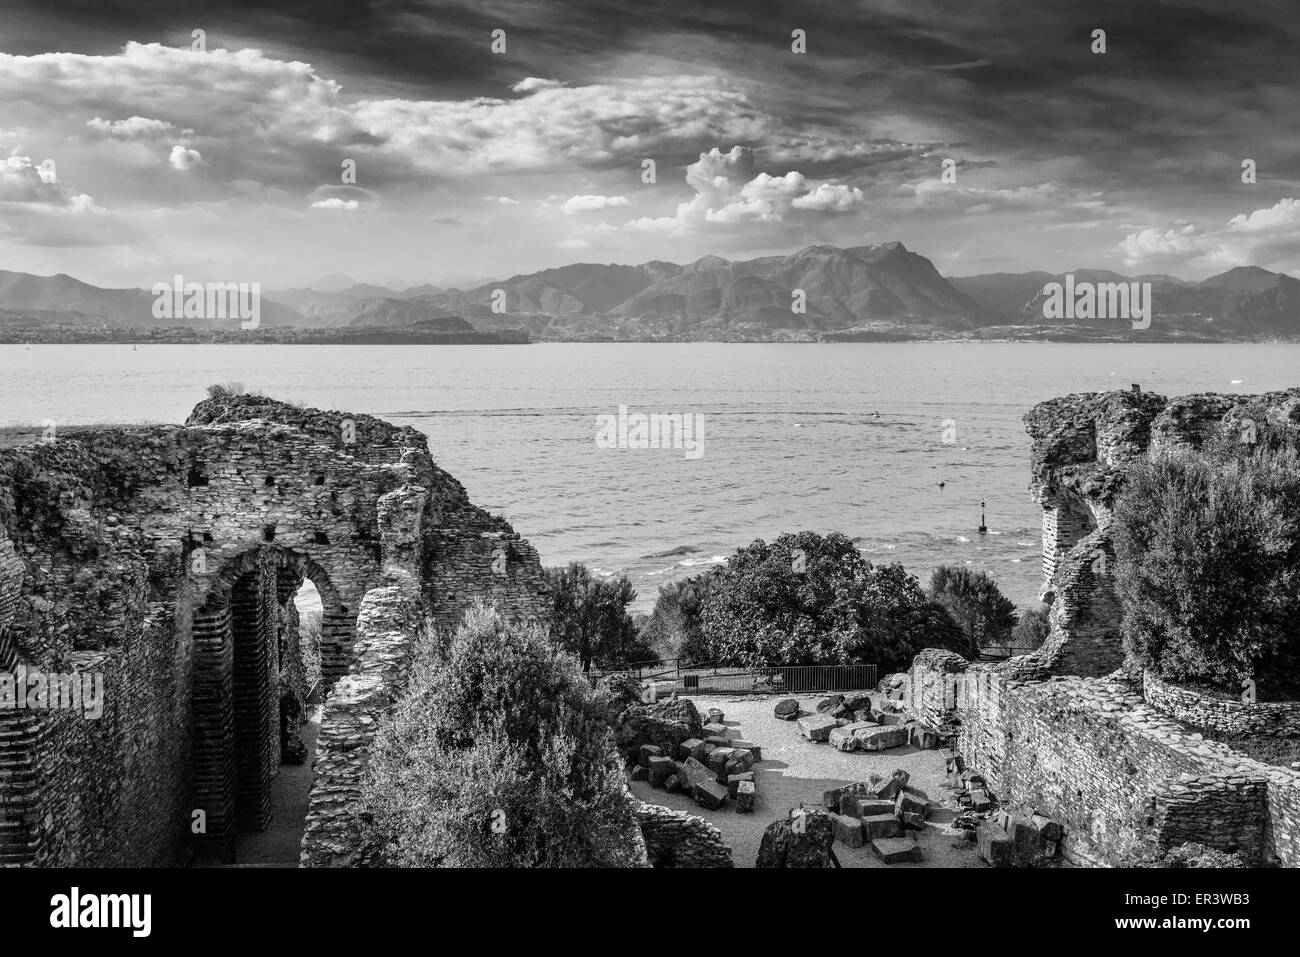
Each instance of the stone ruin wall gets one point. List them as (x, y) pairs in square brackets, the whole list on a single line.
[(1067, 730), (675, 839), (1115, 770), (166, 558), (1082, 446)]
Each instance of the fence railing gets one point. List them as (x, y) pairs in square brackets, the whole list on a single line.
[(665, 678)]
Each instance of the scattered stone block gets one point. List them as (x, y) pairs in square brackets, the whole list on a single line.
[(830, 703), (717, 763), (912, 821), (897, 850), (842, 739), (691, 748), (660, 770), (1026, 841), (880, 737), (713, 716), (865, 805), (712, 730), (735, 780), (840, 713), (980, 800), (1050, 830), (709, 794), (749, 746), (881, 825), (927, 739), (693, 771), (848, 830), (906, 803), (888, 790), (739, 762), (648, 751), (745, 794), (816, 727), (857, 701), (674, 783), (639, 773), (892, 717), (718, 741), (864, 716), (786, 709), (994, 844)]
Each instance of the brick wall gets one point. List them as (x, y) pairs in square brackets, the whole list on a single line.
[(1123, 777), (158, 557)]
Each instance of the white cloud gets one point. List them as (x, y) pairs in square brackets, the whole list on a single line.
[(335, 203), (587, 204), (183, 158), (131, 128), (1267, 237), (729, 192)]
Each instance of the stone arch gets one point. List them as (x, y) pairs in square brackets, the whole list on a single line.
[(1067, 519), (238, 647)]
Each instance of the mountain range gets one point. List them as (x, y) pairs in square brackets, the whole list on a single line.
[(871, 291)]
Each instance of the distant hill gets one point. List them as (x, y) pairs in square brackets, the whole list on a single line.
[(1243, 302), (878, 292), (64, 300)]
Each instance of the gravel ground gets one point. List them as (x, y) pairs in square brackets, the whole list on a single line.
[(796, 771)]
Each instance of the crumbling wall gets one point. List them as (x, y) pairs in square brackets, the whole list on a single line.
[(1121, 776), (677, 839), (1228, 716), (1081, 447), (162, 558)]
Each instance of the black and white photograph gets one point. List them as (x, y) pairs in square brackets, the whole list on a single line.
[(441, 436)]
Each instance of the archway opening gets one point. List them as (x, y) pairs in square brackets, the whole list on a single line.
[(257, 682)]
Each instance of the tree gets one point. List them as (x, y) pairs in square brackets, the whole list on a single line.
[(808, 599), (1208, 562), (589, 618), (500, 754), (675, 628), (1032, 629), (973, 598)]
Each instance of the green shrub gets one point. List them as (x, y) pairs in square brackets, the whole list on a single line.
[(806, 599), (589, 618), (675, 628), (1032, 629), (976, 604), (499, 755), (1208, 564)]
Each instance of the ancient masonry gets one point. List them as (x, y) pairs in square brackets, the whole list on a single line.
[(166, 559), (1074, 731)]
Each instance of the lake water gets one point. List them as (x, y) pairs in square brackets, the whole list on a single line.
[(791, 437)]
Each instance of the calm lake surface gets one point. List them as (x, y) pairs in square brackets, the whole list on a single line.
[(791, 435)]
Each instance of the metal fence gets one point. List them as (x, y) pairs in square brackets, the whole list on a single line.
[(668, 677)]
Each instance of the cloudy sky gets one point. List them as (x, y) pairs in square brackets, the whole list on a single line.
[(127, 155)]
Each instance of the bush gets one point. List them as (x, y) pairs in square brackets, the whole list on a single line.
[(589, 618), (675, 628), (499, 755), (979, 608), (769, 605), (224, 390), (1032, 629), (1208, 565)]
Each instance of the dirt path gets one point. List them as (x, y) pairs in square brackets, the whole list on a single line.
[(280, 844), (795, 770)]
